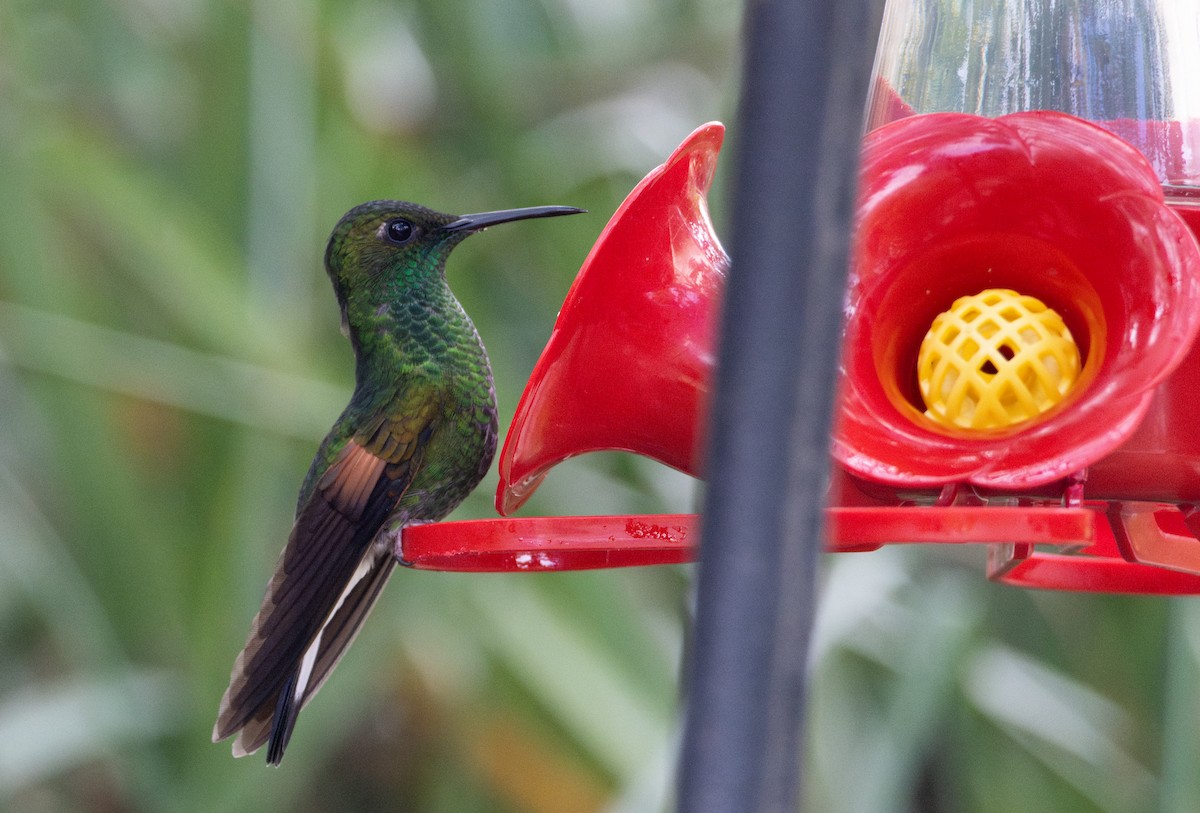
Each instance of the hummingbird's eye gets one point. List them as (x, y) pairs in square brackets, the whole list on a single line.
[(399, 231)]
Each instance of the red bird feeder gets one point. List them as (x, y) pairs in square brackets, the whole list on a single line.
[(1019, 360)]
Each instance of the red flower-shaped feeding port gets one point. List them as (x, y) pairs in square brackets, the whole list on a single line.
[(627, 364), (1041, 203)]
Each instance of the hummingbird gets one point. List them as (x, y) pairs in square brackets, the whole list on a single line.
[(418, 435)]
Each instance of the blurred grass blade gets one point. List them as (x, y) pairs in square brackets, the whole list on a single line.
[(36, 561), (576, 680), (174, 251), (1055, 716), (167, 373), (49, 728), (944, 624), (1181, 711)]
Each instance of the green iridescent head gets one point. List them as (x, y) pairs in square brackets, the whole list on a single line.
[(376, 241)]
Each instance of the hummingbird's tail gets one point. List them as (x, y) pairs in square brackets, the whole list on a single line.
[(273, 721), (326, 581), (330, 645), (287, 711)]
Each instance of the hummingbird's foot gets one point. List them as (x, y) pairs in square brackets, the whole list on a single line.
[(394, 537)]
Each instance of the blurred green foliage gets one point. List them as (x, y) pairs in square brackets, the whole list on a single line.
[(170, 356)]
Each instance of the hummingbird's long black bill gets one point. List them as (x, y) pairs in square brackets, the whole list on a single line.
[(484, 219)]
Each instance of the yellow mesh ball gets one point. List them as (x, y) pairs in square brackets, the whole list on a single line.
[(995, 359)]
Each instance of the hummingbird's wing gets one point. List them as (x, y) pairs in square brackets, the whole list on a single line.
[(326, 580)]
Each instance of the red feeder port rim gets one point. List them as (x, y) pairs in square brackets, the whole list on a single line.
[(549, 543), (543, 544)]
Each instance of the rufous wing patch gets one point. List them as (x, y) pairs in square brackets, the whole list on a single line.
[(350, 480)]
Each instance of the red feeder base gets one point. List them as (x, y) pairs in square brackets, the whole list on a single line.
[(549, 543), (1119, 548)]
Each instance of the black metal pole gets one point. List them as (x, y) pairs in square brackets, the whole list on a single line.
[(804, 90)]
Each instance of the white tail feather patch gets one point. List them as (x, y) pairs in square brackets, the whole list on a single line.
[(310, 655)]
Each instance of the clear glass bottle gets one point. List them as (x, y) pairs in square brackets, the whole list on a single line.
[(1131, 66)]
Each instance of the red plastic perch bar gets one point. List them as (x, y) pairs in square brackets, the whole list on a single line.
[(1101, 562), (549, 543), (582, 543)]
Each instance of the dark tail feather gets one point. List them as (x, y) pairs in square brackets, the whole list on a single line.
[(331, 643), (287, 711)]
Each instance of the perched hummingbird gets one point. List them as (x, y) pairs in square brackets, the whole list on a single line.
[(417, 437)]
